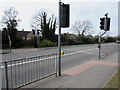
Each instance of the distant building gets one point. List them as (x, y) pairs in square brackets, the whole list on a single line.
[(26, 35), (69, 36)]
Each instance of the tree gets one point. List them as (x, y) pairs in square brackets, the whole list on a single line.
[(83, 28), (45, 25), (10, 23)]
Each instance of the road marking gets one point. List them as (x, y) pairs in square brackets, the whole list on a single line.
[(26, 62), (79, 52), (90, 53), (32, 61)]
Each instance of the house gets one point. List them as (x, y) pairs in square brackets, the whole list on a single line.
[(26, 35), (69, 36)]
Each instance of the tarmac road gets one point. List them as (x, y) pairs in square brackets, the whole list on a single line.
[(22, 53), (74, 55)]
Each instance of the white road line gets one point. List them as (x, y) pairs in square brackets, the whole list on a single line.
[(79, 52), (90, 53), (26, 62)]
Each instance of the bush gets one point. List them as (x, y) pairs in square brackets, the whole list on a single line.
[(46, 43), (86, 39), (110, 39), (26, 43)]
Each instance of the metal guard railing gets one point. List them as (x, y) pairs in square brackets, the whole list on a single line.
[(108, 50), (21, 72)]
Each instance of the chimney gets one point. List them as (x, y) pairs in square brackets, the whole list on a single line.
[(23, 30)]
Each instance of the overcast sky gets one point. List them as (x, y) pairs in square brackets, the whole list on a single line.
[(79, 10)]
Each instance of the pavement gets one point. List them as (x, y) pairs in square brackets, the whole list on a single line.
[(91, 74), (5, 51)]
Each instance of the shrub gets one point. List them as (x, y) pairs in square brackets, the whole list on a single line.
[(86, 39), (46, 43)]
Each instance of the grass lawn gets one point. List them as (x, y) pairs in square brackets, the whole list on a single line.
[(114, 81)]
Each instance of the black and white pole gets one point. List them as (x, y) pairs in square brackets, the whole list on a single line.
[(59, 39), (9, 42), (37, 38)]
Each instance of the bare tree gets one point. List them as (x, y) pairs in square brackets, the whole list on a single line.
[(9, 19), (9, 23), (87, 26), (77, 27), (37, 20), (46, 25), (83, 28)]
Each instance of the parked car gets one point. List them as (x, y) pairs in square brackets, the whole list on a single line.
[(118, 41)]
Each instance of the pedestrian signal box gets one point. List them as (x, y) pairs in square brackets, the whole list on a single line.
[(65, 14)]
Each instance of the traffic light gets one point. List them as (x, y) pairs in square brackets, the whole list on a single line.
[(102, 23), (98, 42), (107, 24), (65, 15)]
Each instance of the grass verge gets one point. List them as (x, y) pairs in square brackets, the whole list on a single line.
[(114, 82)]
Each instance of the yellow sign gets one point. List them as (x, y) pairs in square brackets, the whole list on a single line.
[(10, 43), (62, 53)]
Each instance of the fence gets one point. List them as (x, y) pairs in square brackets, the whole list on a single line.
[(108, 49), (21, 72)]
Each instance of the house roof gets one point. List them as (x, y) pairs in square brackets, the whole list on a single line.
[(70, 36), (23, 33)]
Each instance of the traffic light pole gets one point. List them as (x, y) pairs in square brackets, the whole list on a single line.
[(100, 44), (105, 29), (59, 40)]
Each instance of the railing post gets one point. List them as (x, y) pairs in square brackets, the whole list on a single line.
[(56, 64), (6, 76)]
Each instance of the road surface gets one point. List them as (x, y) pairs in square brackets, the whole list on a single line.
[(74, 55)]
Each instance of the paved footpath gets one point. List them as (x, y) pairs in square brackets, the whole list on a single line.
[(92, 74)]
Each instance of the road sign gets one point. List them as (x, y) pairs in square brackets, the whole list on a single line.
[(62, 53), (10, 43)]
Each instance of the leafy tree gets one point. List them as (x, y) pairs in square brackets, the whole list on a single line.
[(10, 23), (45, 25)]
